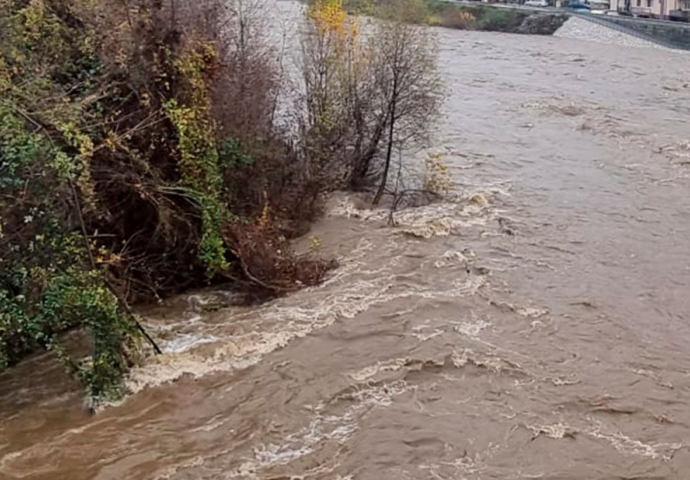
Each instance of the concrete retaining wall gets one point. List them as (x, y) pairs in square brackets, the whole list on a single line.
[(669, 34), (580, 28)]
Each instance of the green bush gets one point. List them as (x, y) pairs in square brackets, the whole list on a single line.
[(500, 19), (136, 159)]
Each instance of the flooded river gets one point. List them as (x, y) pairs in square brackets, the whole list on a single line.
[(536, 326)]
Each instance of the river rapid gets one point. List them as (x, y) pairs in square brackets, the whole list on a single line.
[(535, 325)]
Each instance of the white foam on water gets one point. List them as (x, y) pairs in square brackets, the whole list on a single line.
[(281, 321), (419, 334), (347, 208), (621, 442), (453, 257), (8, 458), (338, 429), (454, 213), (556, 431), (211, 347), (458, 468), (213, 424), (443, 219), (629, 446), (323, 428), (563, 381), (530, 312), (170, 472), (367, 373), (472, 329), (469, 287), (493, 363), (185, 342)]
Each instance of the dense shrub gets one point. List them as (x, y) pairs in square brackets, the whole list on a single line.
[(460, 19), (542, 24), (127, 172), (500, 19), (139, 156)]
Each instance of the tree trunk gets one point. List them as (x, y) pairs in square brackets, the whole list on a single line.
[(389, 150), (361, 169)]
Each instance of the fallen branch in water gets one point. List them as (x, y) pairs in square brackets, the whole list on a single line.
[(398, 197), (121, 301)]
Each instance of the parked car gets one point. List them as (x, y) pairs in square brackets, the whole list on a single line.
[(679, 16), (577, 5), (536, 3)]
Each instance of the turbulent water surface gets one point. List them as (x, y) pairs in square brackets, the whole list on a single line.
[(536, 326)]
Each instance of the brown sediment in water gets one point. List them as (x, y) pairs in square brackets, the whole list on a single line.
[(535, 325)]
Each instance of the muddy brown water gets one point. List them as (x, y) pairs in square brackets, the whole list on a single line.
[(534, 326)]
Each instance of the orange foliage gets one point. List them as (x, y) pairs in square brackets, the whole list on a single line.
[(330, 17)]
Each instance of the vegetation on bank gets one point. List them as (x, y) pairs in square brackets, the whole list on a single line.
[(471, 17), (144, 151)]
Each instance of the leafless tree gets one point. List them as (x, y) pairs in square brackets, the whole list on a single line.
[(405, 69), (367, 94), (247, 90)]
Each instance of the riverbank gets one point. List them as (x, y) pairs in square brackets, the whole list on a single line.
[(478, 17), (173, 151), (581, 29), (493, 19)]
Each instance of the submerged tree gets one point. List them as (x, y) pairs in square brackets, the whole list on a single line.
[(335, 76), (369, 91), (406, 75)]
